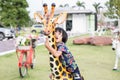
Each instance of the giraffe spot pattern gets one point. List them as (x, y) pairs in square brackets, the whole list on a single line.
[(48, 36), (53, 46), (50, 41), (50, 53), (55, 69), (63, 73), (60, 68), (53, 39), (53, 33), (56, 62), (51, 59), (56, 72), (51, 65), (58, 77)]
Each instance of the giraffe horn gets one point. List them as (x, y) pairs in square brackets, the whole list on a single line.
[(52, 10), (45, 6)]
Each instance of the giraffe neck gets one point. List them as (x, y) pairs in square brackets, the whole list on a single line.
[(56, 66), (52, 40), (54, 61)]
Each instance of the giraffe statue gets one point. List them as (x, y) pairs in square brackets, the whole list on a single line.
[(58, 70)]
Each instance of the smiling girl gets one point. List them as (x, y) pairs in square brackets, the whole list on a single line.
[(63, 52)]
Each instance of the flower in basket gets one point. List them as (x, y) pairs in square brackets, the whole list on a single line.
[(23, 41), (28, 42)]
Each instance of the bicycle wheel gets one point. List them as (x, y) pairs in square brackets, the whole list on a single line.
[(23, 69), (33, 60)]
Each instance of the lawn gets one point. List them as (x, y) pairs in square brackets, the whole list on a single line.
[(95, 63)]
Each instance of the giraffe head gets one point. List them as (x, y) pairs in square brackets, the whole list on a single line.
[(47, 19), (48, 23)]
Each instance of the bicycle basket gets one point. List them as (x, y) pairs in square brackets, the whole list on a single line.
[(23, 47)]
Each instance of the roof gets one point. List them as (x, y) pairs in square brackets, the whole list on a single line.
[(71, 11)]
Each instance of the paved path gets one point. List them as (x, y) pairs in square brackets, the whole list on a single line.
[(8, 46)]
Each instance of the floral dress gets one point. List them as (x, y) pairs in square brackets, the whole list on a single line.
[(68, 61)]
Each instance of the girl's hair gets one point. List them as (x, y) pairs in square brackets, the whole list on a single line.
[(64, 34)]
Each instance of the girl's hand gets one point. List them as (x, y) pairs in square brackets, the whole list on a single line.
[(52, 50), (50, 76)]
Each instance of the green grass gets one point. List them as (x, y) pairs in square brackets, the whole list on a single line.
[(95, 63)]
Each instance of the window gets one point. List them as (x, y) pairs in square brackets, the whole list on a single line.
[(69, 25)]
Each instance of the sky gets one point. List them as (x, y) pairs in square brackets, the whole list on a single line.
[(36, 5)]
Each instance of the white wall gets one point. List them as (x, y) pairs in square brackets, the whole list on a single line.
[(79, 23)]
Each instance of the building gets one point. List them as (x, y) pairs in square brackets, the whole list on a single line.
[(79, 21)]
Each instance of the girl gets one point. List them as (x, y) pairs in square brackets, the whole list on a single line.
[(64, 53)]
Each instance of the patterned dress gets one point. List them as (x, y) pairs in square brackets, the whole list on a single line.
[(68, 61)]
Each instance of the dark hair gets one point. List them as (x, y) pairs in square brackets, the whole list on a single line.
[(64, 34)]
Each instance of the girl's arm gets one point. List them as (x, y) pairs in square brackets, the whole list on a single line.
[(52, 50)]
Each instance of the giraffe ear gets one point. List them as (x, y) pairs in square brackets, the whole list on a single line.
[(38, 17), (38, 20), (61, 18)]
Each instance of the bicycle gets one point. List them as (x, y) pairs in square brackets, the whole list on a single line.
[(26, 57)]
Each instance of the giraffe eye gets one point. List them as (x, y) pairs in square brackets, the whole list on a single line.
[(52, 20)]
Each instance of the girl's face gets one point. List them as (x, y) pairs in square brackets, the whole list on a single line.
[(58, 36)]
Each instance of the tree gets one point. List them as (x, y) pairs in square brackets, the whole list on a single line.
[(116, 5), (110, 10), (113, 10), (13, 12), (97, 7), (99, 13), (65, 5), (80, 4)]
